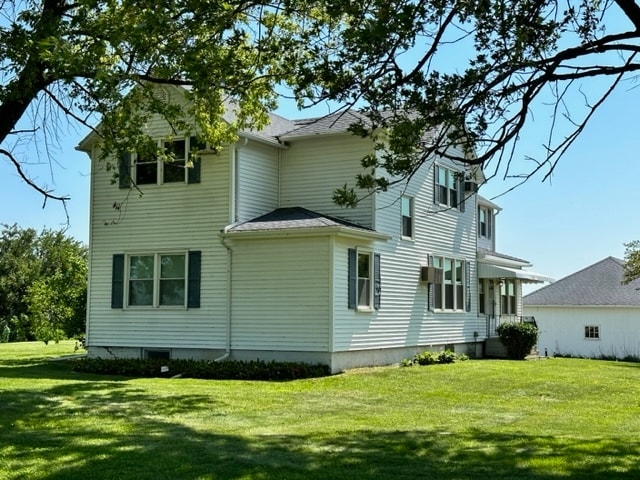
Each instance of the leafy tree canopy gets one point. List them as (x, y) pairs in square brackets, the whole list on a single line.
[(43, 284), (632, 259), (429, 75)]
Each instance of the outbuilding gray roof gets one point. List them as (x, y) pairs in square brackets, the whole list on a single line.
[(293, 217), (598, 284)]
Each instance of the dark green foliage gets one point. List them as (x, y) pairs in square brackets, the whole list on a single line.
[(43, 284), (204, 369), (432, 358), (518, 338)]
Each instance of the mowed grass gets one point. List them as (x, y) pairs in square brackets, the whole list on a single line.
[(485, 419)]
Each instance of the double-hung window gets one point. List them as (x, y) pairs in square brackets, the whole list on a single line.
[(156, 280), (406, 207), (449, 187), (449, 293), (484, 222), (179, 164), (508, 296), (364, 279)]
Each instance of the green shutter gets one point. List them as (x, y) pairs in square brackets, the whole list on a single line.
[(117, 281), (193, 285), (377, 286), (193, 173), (353, 279), (468, 284), (124, 170), (436, 189), (461, 195), (430, 289)]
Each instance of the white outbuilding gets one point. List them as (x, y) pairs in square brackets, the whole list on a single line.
[(590, 313)]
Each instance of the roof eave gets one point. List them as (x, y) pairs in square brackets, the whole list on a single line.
[(306, 232)]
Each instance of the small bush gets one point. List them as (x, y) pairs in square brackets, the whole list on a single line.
[(432, 358), (518, 338), (203, 369)]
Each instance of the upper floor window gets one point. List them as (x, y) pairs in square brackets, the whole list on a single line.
[(148, 169), (450, 293), (592, 332), (407, 216), (449, 187), (485, 221)]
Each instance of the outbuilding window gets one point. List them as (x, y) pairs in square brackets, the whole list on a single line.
[(592, 332)]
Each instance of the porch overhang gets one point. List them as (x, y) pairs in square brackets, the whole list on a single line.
[(486, 270)]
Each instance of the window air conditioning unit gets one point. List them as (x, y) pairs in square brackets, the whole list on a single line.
[(431, 274)]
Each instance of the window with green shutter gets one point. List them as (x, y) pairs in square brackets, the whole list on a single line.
[(156, 280)]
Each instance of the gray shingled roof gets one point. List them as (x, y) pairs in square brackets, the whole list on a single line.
[(598, 284), (293, 217), (338, 122)]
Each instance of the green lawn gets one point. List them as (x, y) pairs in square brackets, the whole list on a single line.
[(485, 419)]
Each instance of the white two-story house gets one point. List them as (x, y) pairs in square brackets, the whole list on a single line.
[(244, 255)]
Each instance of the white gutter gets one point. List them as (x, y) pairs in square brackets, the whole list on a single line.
[(306, 232), (229, 303)]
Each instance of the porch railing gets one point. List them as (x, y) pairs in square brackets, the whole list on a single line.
[(494, 321)]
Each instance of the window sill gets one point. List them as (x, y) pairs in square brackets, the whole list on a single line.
[(407, 239), (151, 307), (362, 309)]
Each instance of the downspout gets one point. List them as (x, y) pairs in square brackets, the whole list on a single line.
[(223, 242)]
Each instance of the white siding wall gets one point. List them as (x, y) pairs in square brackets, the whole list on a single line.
[(486, 243), (281, 294), (404, 318), (313, 169), (562, 330), (257, 180), (173, 217)]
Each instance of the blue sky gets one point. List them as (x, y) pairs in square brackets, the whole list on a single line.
[(584, 213)]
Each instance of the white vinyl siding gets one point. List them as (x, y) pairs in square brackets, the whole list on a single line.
[(281, 294), (257, 180), (313, 169), (405, 318), (161, 218), (562, 330)]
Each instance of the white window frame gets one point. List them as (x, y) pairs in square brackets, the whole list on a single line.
[(457, 283), (451, 184), (369, 305), (592, 332), (155, 303), (411, 217), (512, 300), (160, 165), (488, 213)]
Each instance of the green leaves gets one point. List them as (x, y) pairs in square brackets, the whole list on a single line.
[(43, 283)]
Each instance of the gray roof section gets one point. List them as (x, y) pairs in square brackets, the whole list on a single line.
[(598, 284), (333, 123), (293, 217)]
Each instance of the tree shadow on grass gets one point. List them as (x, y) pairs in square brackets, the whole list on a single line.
[(110, 430)]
